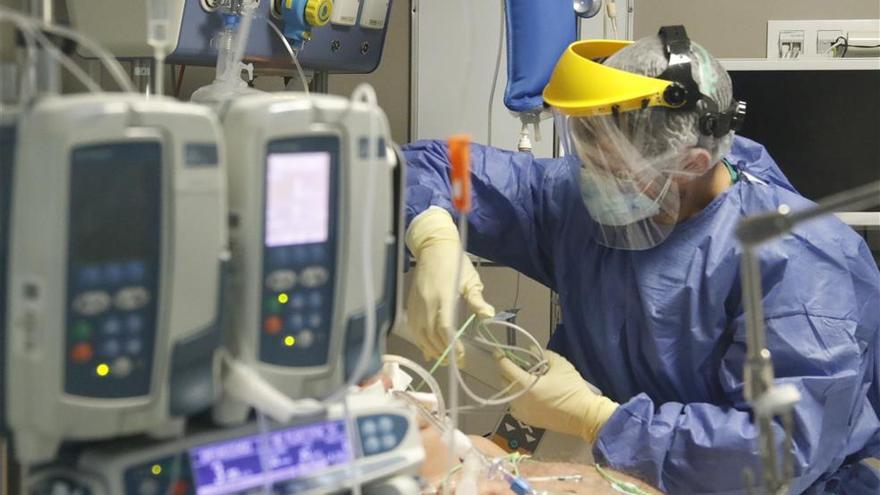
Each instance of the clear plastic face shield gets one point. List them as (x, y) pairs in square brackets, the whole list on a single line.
[(612, 125), (629, 192)]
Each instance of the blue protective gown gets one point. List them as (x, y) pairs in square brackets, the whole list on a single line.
[(662, 331)]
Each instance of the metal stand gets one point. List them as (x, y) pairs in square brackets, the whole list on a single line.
[(767, 399)]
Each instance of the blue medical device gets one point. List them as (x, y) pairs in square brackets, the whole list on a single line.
[(344, 36)]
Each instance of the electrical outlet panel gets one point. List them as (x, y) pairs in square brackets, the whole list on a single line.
[(813, 38), (791, 43), (826, 39)]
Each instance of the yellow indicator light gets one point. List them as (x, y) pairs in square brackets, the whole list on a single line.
[(283, 298), (102, 370), (156, 469), (289, 341)]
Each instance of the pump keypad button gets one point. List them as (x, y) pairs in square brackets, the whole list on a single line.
[(82, 353), (131, 298), (107, 336), (281, 280), (305, 339), (111, 327), (91, 303), (110, 348), (381, 433), (272, 325), (82, 331), (134, 324), (314, 276)]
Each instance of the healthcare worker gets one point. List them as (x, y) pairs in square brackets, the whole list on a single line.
[(634, 229)]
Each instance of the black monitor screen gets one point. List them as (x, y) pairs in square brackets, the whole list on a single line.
[(114, 203), (821, 126)]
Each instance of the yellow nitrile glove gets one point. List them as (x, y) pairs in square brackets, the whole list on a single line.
[(560, 401), (436, 245)]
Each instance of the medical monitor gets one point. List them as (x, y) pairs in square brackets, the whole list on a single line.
[(819, 119), (252, 462)]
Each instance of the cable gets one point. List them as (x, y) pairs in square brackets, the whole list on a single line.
[(29, 76), (263, 451), (426, 377), (33, 37), (67, 62), (538, 369), (244, 31), (511, 348), (620, 485), (497, 71), (354, 468), (299, 69), (845, 43), (611, 11), (113, 65), (455, 377), (179, 84)]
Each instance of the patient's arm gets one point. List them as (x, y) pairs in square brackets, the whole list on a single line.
[(592, 481)]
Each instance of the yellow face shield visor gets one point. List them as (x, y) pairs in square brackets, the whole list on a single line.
[(581, 86)]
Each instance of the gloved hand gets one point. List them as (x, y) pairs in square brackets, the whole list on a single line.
[(560, 401), (434, 241)]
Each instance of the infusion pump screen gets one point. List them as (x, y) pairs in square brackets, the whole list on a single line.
[(297, 198), (233, 466)]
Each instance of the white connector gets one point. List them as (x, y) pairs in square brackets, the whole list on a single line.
[(791, 44), (827, 41)]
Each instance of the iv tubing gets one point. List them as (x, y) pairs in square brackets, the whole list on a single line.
[(426, 377), (299, 69), (111, 63), (495, 76), (67, 62), (30, 34), (365, 93)]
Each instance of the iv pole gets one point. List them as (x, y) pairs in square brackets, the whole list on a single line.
[(766, 398)]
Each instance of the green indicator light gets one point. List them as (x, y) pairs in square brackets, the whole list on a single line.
[(272, 305), (82, 331)]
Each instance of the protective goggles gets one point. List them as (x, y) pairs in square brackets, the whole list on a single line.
[(581, 86)]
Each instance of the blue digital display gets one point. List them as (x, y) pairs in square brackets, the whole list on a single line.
[(230, 466)]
